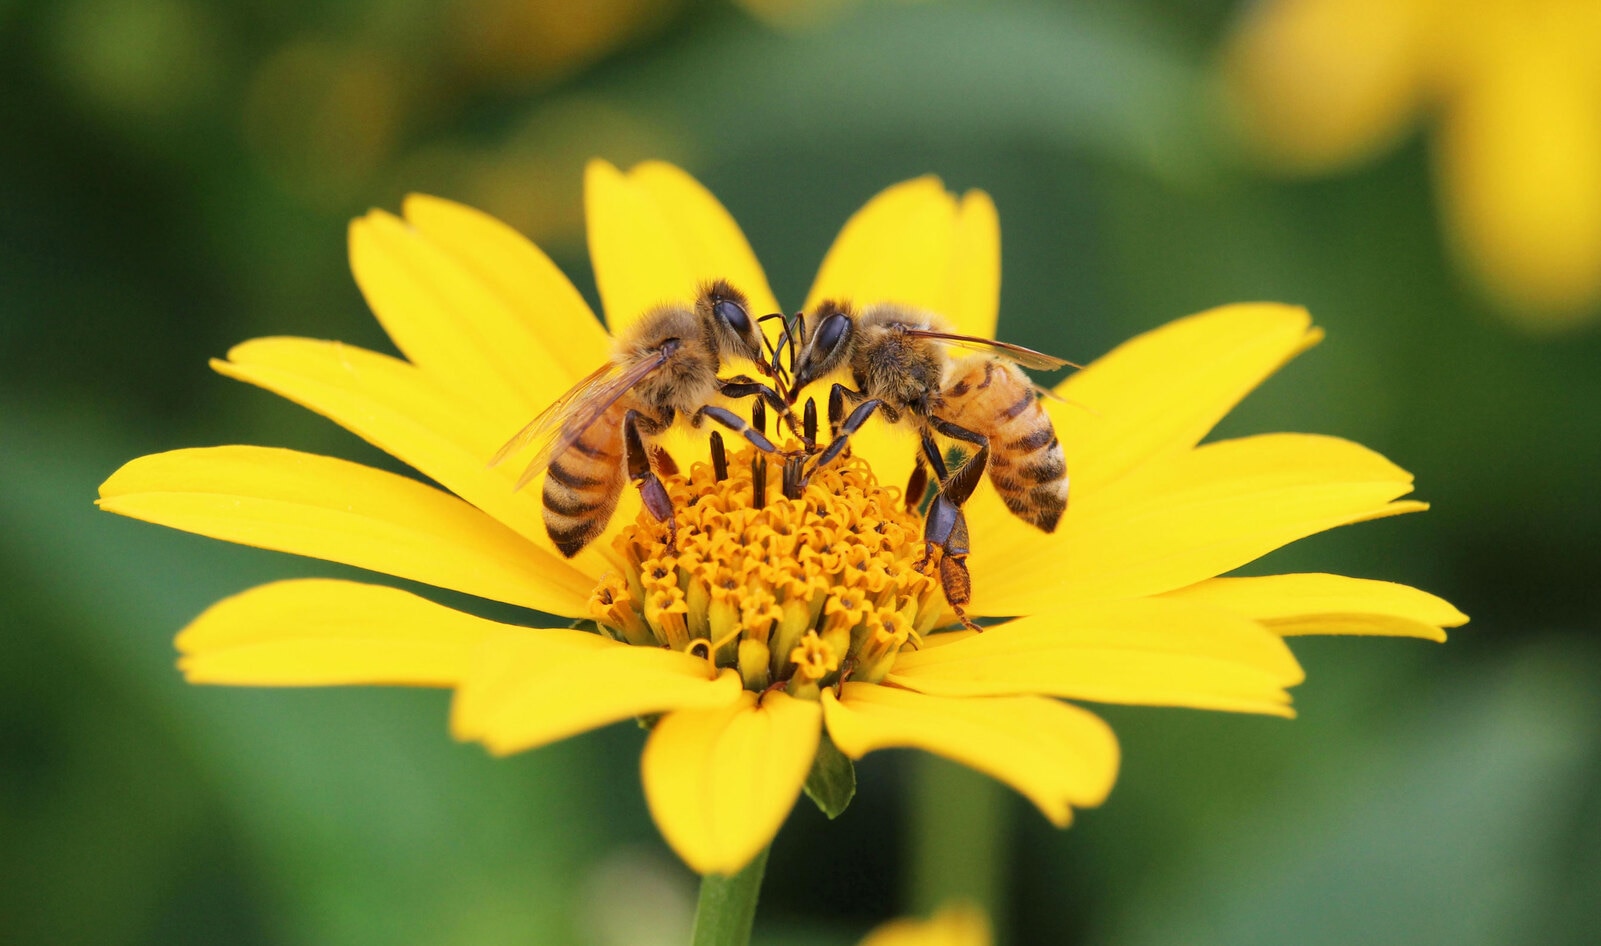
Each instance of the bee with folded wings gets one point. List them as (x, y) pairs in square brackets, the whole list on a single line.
[(898, 359), (663, 365)]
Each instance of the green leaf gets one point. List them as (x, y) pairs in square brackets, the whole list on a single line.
[(832, 782)]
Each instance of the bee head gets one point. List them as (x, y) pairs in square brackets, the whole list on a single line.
[(733, 333), (828, 331)]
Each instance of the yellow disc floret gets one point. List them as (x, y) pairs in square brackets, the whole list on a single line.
[(800, 592)]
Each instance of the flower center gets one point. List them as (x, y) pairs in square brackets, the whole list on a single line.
[(800, 591)]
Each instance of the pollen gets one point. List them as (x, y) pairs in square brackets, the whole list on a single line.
[(793, 586)]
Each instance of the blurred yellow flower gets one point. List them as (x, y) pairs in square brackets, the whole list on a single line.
[(538, 41), (1516, 89), (741, 638), (960, 924)]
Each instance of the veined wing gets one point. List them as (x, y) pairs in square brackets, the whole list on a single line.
[(1027, 357), (560, 425), (551, 417)]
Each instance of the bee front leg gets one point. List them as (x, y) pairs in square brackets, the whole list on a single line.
[(741, 386), (842, 430), (737, 424), (651, 489)]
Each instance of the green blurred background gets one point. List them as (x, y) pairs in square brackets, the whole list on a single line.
[(176, 176)]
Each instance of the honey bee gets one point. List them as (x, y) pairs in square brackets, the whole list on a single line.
[(663, 365), (900, 362)]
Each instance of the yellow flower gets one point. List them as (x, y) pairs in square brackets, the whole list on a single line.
[(1120, 604), (959, 924), (1321, 84)]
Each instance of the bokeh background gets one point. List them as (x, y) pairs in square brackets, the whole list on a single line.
[(176, 176)]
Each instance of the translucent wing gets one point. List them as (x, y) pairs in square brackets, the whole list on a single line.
[(1027, 357), (560, 425)]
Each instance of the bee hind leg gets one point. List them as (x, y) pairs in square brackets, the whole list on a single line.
[(945, 528), (946, 510), (916, 485)]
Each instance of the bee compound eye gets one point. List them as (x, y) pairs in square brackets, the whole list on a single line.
[(733, 314), (831, 332)]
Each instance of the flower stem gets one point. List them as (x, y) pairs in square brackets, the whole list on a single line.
[(959, 843), (727, 907)]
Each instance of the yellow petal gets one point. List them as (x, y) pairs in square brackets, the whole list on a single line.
[(706, 233), (1159, 393), (532, 687), (1317, 84), (656, 235), (1142, 650), (961, 924), (1194, 517), (343, 512), (914, 244), (1055, 755), (448, 322), (1329, 604), (720, 782), (1520, 162), (975, 293), (398, 409), (552, 321), (319, 632), (890, 448), (1154, 396), (636, 259)]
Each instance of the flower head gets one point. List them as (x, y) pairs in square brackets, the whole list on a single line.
[(1320, 84), (769, 610)]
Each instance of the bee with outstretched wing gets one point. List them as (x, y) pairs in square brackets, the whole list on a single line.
[(664, 365)]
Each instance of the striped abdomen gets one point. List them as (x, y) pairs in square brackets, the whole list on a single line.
[(584, 482), (993, 396)]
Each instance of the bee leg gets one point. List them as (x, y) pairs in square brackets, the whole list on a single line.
[(953, 577), (958, 432), (837, 396), (842, 432), (916, 485), (663, 461), (978, 462), (651, 489), (945, 528), (931, 455), (740, 386), (737, 424)]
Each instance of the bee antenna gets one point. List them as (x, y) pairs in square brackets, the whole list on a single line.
[(772, 350), (780, 373)]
